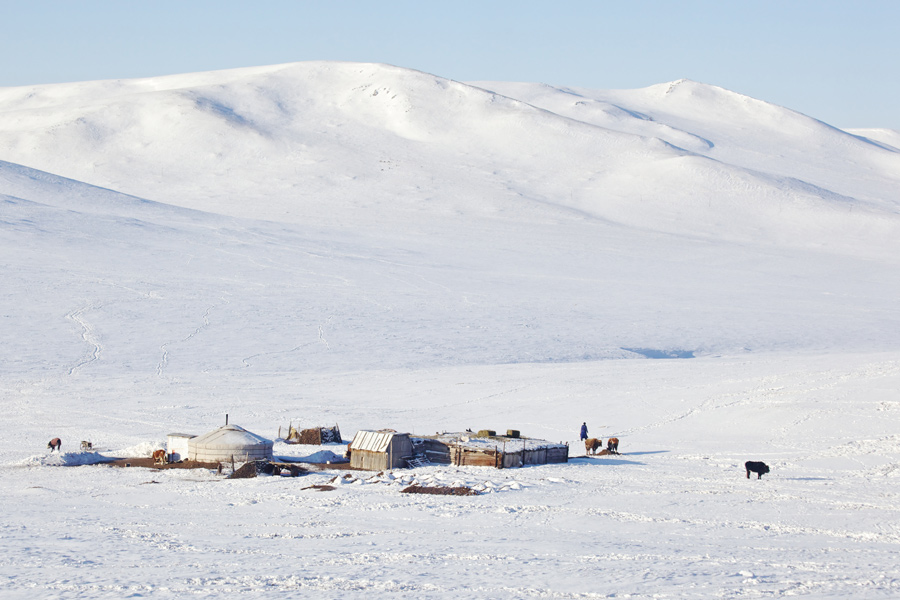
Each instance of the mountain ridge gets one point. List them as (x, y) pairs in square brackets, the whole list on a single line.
[(317, 142)]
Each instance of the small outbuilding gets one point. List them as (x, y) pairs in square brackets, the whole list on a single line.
[(378, 450), (229, 443), (177, 446)]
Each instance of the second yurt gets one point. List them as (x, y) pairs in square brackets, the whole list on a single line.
[(229, 443)]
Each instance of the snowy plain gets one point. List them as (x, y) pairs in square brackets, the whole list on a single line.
[(373, 246)]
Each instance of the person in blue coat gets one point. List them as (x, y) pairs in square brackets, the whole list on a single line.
[(584, 433)]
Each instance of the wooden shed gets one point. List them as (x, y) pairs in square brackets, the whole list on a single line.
[(378, 450)]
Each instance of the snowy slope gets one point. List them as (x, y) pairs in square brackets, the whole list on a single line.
[(885, 137), (737, 130), (105, 282), (373, 246), (339, 144)]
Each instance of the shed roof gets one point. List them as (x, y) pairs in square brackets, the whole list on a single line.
[(373, 441)]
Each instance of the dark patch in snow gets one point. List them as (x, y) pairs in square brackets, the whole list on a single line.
[(654, 353)]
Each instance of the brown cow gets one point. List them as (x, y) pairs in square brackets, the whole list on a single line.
[(54, 444), (591, 445), (159, 457), (612, 444)]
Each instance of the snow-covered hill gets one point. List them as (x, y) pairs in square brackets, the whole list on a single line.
[(380, 247), (339, 144)]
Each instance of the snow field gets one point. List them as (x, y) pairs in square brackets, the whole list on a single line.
[(382, 248), (672, 517)]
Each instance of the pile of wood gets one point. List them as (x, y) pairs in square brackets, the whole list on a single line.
[(314, 436)]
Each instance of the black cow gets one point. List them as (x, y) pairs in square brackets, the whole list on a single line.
[(760, 468)]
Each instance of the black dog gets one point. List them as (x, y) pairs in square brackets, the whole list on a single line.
[(760, 468)]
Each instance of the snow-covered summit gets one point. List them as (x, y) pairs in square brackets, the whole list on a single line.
[(328, 144)]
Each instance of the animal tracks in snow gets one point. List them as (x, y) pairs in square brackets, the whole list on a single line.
[(88, 334)]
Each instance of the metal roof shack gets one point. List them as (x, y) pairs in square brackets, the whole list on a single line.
[(378, 450)]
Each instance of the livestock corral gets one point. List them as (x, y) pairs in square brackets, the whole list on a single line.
[(386, 449)]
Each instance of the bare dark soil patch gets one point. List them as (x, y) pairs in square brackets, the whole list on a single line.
[(439, 491), (320, 487), (149, 463)]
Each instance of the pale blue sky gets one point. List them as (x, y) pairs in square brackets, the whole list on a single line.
[(833, 60)]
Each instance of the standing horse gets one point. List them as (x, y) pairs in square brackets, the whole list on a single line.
[(54, 444)]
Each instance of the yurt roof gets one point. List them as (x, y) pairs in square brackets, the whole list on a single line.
[(373, 441), (230, 436)]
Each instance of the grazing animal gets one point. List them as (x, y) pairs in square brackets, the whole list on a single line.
[(760, 468), (85, 446), (612, 444), (159, 457), (54, 444), (591, 445)]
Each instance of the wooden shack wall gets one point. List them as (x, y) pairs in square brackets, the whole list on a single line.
[(460, 455), (435, 451), (558, 454), (368, 460), (401, 450), (512, 460)]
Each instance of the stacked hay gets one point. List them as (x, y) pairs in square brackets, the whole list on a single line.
[(314, 436)]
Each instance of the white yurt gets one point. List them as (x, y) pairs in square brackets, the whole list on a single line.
[(221, 444)]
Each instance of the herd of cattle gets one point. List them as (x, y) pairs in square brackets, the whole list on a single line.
[(595, 446)]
